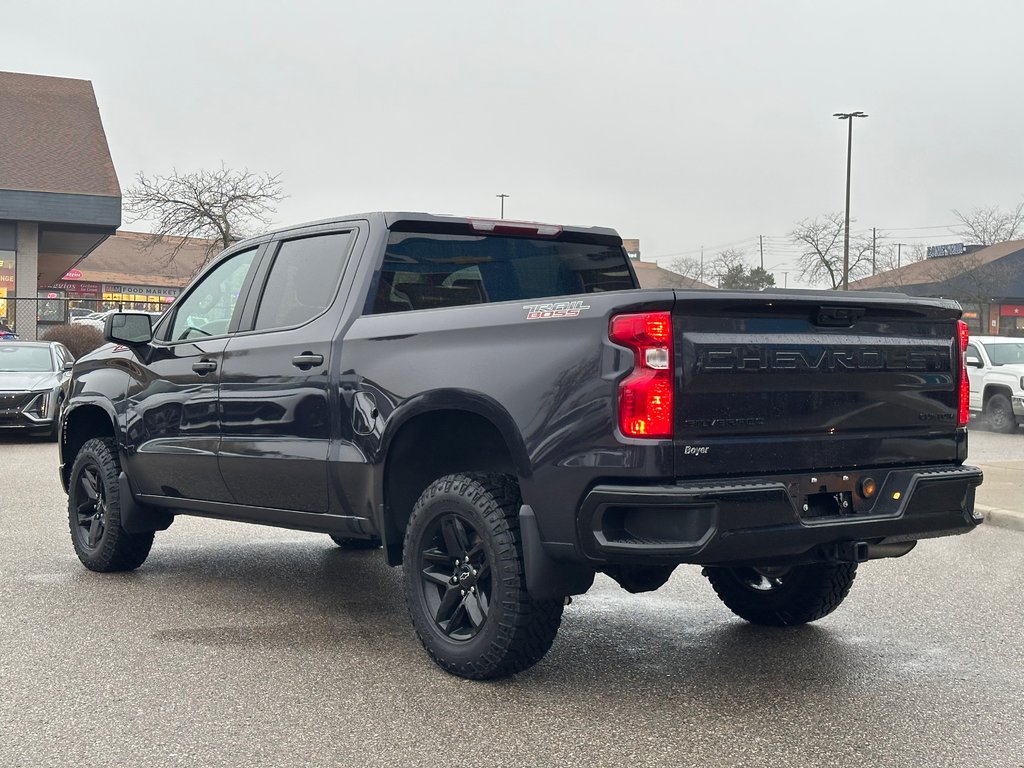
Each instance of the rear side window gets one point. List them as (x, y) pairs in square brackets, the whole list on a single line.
[(303, 280), (428, 271)]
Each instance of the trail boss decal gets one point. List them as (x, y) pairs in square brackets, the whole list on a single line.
[(555, 309)]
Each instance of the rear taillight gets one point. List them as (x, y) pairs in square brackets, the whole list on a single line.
[(963, 413), (645, 395)]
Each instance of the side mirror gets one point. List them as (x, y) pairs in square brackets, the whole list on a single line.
[(974, 362), (128, 328), (68, 365)]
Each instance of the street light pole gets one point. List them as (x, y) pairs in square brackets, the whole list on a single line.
[(503, 196), (849, 155)]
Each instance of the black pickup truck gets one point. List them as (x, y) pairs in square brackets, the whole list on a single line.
[(498, 407)]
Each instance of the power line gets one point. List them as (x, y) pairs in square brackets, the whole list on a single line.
[(782, 245)]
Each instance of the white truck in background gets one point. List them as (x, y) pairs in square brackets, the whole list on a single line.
[(995, 368)]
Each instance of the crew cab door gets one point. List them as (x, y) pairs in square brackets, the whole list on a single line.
[(276, 405), (171, 411)]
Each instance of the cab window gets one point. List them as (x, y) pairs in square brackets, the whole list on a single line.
[(303, 280), (209, 306)]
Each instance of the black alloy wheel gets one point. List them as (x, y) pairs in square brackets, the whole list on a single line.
[(456, 576), (94, 512), (90, 507), (465, 580)]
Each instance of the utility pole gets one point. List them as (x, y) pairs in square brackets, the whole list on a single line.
[(702, 263), (503, 196), (874, 236), (760, 239), (848, 116), (899, 255)]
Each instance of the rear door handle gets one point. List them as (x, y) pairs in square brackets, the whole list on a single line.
[(307, 360), (204, 367)]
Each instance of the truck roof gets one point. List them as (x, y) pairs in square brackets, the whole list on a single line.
[(391, 218)]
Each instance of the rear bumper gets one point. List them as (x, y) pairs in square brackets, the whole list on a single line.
[(783, 519)]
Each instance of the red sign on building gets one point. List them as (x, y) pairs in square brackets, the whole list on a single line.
[(1011, 310)]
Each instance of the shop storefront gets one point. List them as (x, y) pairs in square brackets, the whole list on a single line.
[(148, 298), (1011, 320), (6, 280)]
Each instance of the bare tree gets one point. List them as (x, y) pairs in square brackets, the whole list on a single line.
[(725, 263), (991, 224), (688, 266), (223, 205), (890, 260), (821, 242)]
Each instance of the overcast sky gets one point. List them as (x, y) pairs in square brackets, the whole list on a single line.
[(681, 123)]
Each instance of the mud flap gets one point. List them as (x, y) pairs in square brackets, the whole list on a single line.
[(547, 578), (136, 518)]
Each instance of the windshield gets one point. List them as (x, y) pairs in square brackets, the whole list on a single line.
[(1005, 354), (15, 358)]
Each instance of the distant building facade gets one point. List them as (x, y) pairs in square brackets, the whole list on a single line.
[(59, 194), (651, 275), (988, 281), (129, 269)]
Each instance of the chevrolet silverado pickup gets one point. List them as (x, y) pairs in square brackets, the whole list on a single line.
[(498, 408)]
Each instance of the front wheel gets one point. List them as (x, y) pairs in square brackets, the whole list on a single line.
[(783, 597), (94, 512), (465, 580), (999, 414)]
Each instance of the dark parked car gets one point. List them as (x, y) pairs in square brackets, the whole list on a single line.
[(498, 406), (31, 374)]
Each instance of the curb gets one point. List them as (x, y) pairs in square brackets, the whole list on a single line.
[(1002, 518)]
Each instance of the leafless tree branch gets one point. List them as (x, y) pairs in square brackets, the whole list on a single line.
[(991, 224), (821, 242), (222, 205)]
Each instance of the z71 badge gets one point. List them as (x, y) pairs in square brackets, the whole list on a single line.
[(555, 309)]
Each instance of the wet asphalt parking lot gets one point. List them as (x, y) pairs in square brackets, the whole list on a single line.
[(238, 645)]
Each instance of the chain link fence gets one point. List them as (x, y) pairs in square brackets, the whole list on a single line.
[(30, 319)]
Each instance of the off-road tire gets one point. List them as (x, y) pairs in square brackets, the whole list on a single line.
[(515, 631), (347, 543), (94, 516), (801, 594), (999, 414)]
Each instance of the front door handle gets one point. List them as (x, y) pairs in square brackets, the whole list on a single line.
[(204, 367), (307, 360)]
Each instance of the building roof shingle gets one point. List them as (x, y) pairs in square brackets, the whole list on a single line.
[(51, 137), (651, 275), (132, 258), (937, 270)]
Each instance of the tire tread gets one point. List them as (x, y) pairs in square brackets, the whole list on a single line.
[(821, 589), (527, 627), (119, 550)]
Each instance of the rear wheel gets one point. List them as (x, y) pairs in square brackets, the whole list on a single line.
[(783, 597), (465, 580), (94, 512), (999, 414)]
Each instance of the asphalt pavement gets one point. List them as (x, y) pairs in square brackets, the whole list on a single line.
[(238, 645), (1001, 457)]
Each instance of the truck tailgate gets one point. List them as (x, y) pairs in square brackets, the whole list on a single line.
[(798, 380)]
